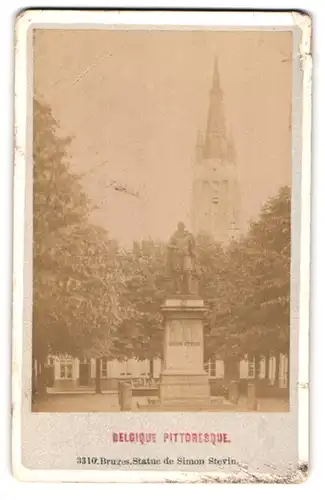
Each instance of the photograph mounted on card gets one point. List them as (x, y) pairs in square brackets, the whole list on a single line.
[(161, 260)]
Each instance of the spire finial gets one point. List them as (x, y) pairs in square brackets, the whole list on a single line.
[(216, 78), (215, 136)]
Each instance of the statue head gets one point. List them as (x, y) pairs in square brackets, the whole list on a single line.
[(181, 227)]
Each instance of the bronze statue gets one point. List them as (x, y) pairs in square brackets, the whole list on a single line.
[(181, 260)]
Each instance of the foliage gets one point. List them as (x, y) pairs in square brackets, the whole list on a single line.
[(144, 269), (256, 317), (76, 275)]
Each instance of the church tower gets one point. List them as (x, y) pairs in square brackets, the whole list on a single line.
[(215, 194)]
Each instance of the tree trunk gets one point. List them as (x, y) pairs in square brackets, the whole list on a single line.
[(151, 368), (34, 377), (288, 372), (267, 367), (257, 366), (41, 378), (277, 371), (97, 379), (231, 367), (257, 374)]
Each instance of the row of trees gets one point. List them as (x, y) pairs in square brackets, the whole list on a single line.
[(92, 298), (253, 317), (77, 279)]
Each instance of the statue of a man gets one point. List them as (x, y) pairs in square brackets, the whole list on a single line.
[(181, 259)]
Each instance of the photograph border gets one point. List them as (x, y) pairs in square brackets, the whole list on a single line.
[(138, 20)]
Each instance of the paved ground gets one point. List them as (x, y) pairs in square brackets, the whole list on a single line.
[(264, 405), (74, 403), (274, 405)]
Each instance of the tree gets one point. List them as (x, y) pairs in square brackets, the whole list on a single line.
[(77, 279), (211, 273), (140, 335), (257, 315), (272, 237), (58, 206)]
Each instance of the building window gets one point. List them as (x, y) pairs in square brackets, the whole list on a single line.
[(251, 369), (210, 368), (66, 369), (126, 368), (104, 368)]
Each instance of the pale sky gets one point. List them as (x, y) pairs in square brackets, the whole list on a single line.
[(134, 102)]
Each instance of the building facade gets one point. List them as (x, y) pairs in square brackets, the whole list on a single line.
[(70, 373), (215, 204)]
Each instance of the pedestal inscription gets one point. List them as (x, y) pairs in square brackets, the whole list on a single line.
[(184, 349), (184, 382)]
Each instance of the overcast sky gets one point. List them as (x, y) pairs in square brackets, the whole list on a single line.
[(134, 102)]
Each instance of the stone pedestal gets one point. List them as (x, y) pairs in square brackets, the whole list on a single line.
[(125, 396), (251, 397), (184, 382)]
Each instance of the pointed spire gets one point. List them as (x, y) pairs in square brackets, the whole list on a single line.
[(216, 79), (216, 144)]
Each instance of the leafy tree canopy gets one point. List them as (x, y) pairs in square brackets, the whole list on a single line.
[(76, 274)]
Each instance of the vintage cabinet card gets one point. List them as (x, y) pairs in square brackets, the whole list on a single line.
[(161, 252)]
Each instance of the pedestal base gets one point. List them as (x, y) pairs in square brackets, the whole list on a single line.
[(184, 390)]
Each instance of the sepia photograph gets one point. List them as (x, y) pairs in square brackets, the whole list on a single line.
[(162, 172), (161, 246)]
